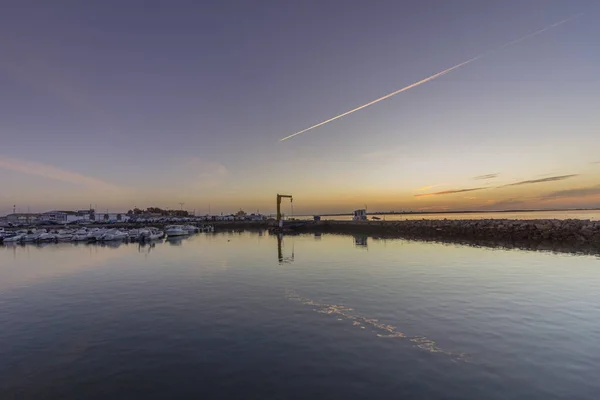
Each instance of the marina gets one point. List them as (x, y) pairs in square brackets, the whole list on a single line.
[(98, 234)]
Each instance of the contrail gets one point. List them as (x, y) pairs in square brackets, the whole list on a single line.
[(432, 77)]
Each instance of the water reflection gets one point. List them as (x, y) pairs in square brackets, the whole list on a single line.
[(361, 241), (280, 257), (175, 240), (381, 329), (146, 247)]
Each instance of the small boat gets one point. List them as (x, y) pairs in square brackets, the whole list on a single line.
[(114, 235), (80, 237), (190, 229), (15, 238), (33, 236), (176, 230), (95, 234), (375, 218), (46, 237), (64, 237), (152, 234)]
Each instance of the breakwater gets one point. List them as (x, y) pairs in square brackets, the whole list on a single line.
[(563, 231)]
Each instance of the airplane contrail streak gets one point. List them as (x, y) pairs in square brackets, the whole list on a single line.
[(432, 77)]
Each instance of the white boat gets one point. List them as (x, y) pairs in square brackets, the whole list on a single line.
[(190, 228), (135, 234), (64, 237), (15, 238), (96, 234), (153, 234), (114, 235), (80, 237), (33, 236), (176, 230), (46, 237)]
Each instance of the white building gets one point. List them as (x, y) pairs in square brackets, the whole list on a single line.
[(65, 217), (111, 217)]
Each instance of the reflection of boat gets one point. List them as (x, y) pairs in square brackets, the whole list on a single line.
[(112, 243), (175, 240)]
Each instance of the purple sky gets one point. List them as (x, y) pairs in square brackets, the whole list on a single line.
[(123, 103)]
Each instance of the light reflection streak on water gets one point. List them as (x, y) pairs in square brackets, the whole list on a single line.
[(382, 330)]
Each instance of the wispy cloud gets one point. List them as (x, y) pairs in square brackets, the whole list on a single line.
[(381, 154), (596, 162), (434, 208), (569, 193), (482, 177), (52, 172), (445, 192), (421, 189), (549, 179), (209, 174), (503, 204)]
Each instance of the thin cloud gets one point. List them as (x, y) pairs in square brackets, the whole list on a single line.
[(445, 192), (482, 177), (596, 162), (503, 204), (421, 189), (434, 208), (381, 154), (208, 174), (549, 179), (569, 193), (52, 172)]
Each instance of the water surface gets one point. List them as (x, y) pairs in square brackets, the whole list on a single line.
[(243, 315)]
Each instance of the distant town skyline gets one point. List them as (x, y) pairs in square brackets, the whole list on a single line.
[(117, 105)]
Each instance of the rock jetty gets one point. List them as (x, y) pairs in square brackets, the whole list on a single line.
[(572, 231)]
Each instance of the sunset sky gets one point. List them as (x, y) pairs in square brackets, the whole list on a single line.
[(152, 103)]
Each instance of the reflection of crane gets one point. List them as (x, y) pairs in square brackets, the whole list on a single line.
[(279, 197), (280, 256)]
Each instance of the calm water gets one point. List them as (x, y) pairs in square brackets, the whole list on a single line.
[(236, 316), (593, 215)]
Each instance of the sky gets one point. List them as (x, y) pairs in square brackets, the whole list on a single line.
[(154, 103)]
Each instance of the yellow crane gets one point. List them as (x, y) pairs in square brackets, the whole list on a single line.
[(279, 197)]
